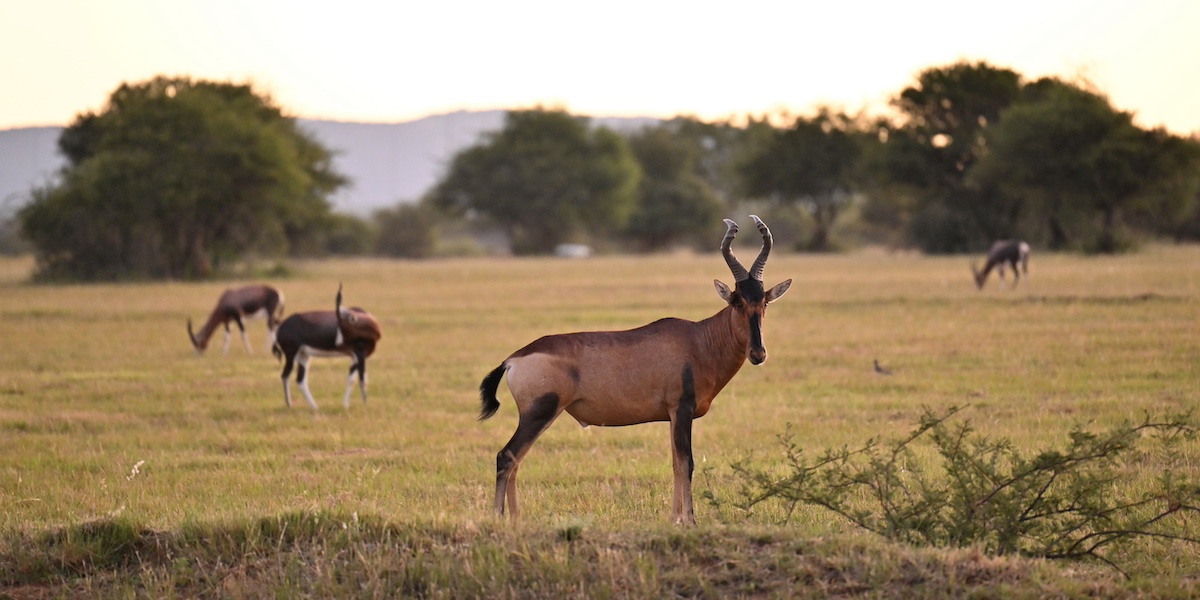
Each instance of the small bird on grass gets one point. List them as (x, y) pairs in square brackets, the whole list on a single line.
[(881, 370)]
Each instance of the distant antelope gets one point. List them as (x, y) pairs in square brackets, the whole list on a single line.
[(343, 331), (235, 305), (669, 370), (1004, 251)]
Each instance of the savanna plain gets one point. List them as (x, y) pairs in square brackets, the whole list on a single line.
[(131, 467)]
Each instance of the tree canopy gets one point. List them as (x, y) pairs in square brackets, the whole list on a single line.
[(675, 203), (1081, 164), (811, 164), (978, 154), (546, 178), (174, 178)]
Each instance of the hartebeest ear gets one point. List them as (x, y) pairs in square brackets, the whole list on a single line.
[(722, 290), (778, 291)]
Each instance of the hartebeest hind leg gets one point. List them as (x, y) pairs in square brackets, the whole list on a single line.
[(682, 463), (535, 418)]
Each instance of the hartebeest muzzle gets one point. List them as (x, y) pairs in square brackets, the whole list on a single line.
[(758, 353)]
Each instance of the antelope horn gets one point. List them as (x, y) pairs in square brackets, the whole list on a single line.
[(735, 267), (191, 335), (756, 270)]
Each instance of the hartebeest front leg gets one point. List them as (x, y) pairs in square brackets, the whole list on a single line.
[(534, 419), (682, 463)]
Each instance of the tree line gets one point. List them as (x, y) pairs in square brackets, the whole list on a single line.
[(178, 178)]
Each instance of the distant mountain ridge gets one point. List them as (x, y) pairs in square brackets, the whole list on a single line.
[(386, 162)]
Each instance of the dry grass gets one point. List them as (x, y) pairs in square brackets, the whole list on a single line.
[(94, 379)]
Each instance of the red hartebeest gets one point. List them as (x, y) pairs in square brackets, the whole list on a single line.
[(669, 370), (350, 331), (238, 304), (1013, 252)]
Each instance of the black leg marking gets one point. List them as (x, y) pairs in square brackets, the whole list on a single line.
[(289, 360), (541, 412), (237, 319), (300, 373), (684, 417), (362, 375)]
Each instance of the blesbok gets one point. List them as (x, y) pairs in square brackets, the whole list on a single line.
[(668, 370), (1013, 252), (235, 305), (350, 331)]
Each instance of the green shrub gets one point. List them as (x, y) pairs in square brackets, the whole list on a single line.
[(1063, 503)]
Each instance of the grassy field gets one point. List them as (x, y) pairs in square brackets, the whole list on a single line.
[(110, 423)]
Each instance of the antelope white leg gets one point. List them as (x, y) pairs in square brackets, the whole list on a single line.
[(225, 349), (349, 388), (246, 343), (303, 359)]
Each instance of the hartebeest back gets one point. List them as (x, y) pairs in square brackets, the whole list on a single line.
[(669, 370), (1013, 252), (236, 305), (344, 331)]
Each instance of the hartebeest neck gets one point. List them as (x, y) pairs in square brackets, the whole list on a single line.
[(727, 338)]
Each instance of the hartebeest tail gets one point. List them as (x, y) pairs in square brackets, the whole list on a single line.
[(236, 305), (669, 370), (350, 331), (1013, 252)]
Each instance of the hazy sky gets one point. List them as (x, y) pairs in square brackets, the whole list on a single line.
[(396, 60)]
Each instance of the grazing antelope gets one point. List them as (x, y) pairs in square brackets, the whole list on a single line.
[(1003, 251), (349, 331), (669, 370), (235, 305)]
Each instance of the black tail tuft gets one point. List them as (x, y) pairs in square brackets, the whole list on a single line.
[(488, 404)]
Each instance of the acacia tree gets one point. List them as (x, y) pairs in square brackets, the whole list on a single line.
[(811, 164), (547, 177), (175, 177)]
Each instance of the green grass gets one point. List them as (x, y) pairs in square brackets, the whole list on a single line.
[(94, 379)]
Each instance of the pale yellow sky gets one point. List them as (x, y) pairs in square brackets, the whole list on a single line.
[(390, 61)]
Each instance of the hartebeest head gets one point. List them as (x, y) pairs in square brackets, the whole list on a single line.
[(748, 297)]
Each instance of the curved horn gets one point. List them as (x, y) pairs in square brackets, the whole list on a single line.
[(756, 270), (191, 335), (735, 267)]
